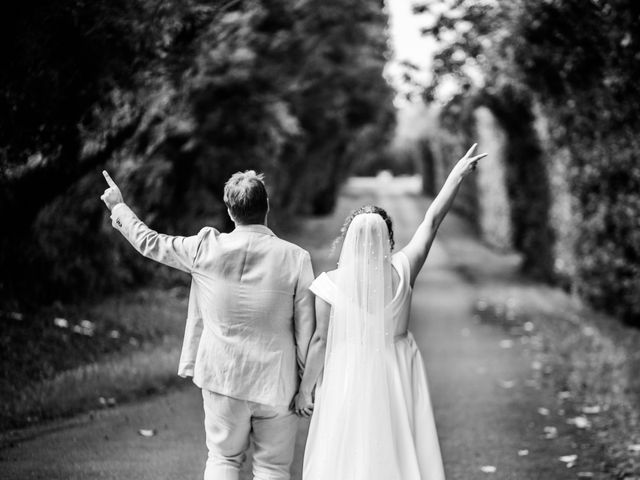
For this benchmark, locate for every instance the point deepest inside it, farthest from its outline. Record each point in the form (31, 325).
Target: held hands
(112, 195)
(302, 404)
(469, 162)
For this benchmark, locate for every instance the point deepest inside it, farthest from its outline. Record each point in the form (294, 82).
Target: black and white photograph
(320, 239)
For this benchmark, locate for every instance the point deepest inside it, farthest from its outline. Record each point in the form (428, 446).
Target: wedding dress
(372, 418)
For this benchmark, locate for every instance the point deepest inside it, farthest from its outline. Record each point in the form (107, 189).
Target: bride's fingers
(478, 157)
(470, 151)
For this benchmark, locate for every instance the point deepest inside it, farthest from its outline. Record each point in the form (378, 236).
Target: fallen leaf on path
(506, 343)
(588, 331)
(569, 460)
(79, 329)
(85, 328)
(543, 411)
(146, 433)
(61, 322)
(523, 453)
(107, 402)
(481, 305)
(564, 395)
(550, 432)
(87, 324)
(591, 410)
(507, 384)
(488, 469)
(579, 422)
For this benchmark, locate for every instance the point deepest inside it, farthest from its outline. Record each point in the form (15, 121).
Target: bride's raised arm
(418, 248)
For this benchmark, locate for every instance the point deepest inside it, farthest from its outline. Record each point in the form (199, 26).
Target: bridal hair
(245, 195)
(359, 211)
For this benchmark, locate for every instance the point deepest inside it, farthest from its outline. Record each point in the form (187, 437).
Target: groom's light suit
(249, 323)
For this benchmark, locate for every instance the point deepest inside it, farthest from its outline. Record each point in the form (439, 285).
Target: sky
(408, 44)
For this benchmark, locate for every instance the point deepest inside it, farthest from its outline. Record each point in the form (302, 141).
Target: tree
(577, 60)
(173, 97)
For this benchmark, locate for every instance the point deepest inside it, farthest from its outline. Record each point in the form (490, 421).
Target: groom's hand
(303, 405)
(112, 195)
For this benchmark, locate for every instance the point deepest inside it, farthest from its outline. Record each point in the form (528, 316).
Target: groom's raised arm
(174, 251)
(304, 314)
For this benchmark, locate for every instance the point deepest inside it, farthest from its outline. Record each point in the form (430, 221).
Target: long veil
(354, 439)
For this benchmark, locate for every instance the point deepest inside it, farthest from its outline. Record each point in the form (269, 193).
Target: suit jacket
(251, 313)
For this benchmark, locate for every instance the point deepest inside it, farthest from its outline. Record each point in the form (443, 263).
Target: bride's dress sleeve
(403, 267)
(324, 288)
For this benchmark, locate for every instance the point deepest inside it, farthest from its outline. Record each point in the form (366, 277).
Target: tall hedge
(583, 64)
(579, 61)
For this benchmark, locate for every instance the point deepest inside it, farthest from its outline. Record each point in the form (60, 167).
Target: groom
(249, 322)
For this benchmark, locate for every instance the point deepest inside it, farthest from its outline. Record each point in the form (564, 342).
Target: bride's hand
(303, 405)
(469, 162)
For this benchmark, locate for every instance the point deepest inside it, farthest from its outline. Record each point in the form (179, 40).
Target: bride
(372, 418)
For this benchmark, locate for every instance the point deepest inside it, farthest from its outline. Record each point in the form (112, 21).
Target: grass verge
(64, 359)
(590, 359)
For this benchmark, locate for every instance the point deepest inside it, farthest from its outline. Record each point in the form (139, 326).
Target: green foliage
(589, 83)
(579, 61)
(527, 183)
(447, 143)
(172, 98)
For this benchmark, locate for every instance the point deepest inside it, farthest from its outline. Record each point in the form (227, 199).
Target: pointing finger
(109, 180)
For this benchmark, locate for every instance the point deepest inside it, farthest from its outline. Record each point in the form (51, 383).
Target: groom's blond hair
(245, 195)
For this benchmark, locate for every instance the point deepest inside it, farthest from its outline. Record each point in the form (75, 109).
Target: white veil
(353, 415)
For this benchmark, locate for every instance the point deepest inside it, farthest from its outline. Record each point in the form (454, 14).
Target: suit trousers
(232, 424)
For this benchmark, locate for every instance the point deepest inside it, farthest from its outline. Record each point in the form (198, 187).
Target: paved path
(479, 421)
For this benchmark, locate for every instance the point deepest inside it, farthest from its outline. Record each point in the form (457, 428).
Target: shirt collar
(255, 228)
